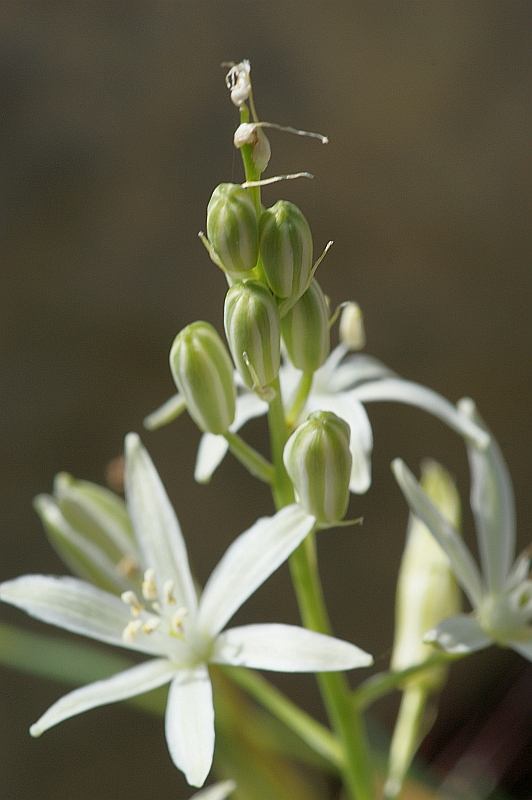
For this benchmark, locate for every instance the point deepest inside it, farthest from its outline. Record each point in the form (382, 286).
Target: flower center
(157, 611)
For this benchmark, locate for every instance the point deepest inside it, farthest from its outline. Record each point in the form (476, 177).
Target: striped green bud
(90, 529)
(318, 460)
(252, 328)
(203, 373)
(286, 249)
(232, 227)
(426, 589)
(305, 330)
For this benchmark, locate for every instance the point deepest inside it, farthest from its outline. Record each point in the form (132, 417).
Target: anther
(168, 593)
(149, 586)
(177, 620)
(151, 625)
(127, 566)
(131, 600)
(131, 630)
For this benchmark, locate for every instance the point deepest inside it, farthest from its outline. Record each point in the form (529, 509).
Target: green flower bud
(286, 249)
(89, 527)
(318, 461)
(252, 328)
(232, 227)
(426, 590)
(305, 330)
(203, 373)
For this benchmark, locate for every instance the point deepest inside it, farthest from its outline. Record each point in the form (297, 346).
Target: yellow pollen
(151, 625)
(177, 620)
(131, 600)
(149, 586)
(131, 630)
(168, 592)
(127, 566)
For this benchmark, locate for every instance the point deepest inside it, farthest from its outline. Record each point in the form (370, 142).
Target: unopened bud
(232, 227)
(352, 333)
(238, 82)
(252, 328)
(426, 590)
(286, 249)
(305, 330)
(251, 133)
(318, 460)
(203, 373)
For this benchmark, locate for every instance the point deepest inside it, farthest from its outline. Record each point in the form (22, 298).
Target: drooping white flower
(167, 620)
(343, 385)
(501, 592)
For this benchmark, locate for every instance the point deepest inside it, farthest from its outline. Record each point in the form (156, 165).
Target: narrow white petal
(211, 452)
(190, 724)
(462, 563)
(76, 606)
(398, 390)
(219, 791)
(156, 525)
(166, 413)
(287, 648)
(524, 648)
(361, 438)
(493, 504)
(325, 373)
(357, 369)
(130, 683)
(460, 634)
(248, 562)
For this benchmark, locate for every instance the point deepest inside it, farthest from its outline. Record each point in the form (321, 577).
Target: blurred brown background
(116, 127)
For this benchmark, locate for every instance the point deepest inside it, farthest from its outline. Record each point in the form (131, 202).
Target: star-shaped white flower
(170, 622)
(344, 383)
(501, 593)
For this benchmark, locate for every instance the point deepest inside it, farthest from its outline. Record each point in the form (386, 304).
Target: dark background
(116, 128)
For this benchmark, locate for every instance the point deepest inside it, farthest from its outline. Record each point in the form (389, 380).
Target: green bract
(232, 227)
(252, 328)
(203, 373)
(318, 461)
(286, 249)
(306, 330)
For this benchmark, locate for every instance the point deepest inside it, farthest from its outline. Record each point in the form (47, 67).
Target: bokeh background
(116, 126)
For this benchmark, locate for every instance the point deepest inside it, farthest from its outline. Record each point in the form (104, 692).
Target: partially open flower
(238, 82)
(318, 461)
(203, 373)
(252, 133)
(232, 227)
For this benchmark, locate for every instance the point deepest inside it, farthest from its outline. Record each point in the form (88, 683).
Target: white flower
(501, 592)
(344, 383)
(169, 622)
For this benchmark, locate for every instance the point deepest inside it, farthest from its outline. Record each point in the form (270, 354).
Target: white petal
(212, 448)
(219, 791)
(130, 683)
(248, 562)
(462, 563)
(211, 453)
(156, 525)
(361, 438)
(493, 504)
(190, 724)
(524, 648)
(287, 648)
(357, 369)
(398, 390)
(460, 634)
(76, 606)
(166, 413)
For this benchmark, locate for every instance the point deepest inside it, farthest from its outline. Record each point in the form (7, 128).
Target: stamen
(151, 625)
(131, 630)
(178, 619)
(149, 586)
(127, 566)
(168, 593)
(131, 600)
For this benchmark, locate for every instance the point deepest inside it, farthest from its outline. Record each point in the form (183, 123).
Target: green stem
(306, 727)
(302, 393)
(251, 172)
(344, 717)
(256, 464)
